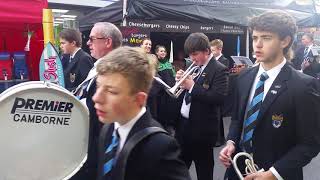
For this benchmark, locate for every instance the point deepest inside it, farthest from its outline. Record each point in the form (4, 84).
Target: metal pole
(247, 43)
(124, 13)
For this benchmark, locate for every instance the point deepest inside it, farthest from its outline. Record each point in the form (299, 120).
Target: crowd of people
(138, 131)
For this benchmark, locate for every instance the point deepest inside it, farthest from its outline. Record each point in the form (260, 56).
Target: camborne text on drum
(41, 111)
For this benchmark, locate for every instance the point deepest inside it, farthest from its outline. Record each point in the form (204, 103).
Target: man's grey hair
(110, 30)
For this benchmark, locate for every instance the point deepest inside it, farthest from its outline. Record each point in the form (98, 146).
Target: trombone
(176, 90)
(251, 167)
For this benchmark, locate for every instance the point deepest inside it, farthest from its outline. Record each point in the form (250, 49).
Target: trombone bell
(176, 90)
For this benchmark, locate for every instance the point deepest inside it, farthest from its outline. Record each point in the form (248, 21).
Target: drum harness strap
(129, 145)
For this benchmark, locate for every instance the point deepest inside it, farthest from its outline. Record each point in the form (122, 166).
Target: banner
(185, 27)
(133, 36)
(236, 12)
(50, 67)
(300, 5)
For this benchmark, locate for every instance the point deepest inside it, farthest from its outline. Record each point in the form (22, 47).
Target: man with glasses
(104, 37)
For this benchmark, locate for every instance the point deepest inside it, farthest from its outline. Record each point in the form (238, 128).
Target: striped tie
(305, 52)
(253, 112)
(110, 154)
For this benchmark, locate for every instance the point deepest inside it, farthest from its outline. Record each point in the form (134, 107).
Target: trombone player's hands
(225, 158)
(187, 83)
(226, 152)
(179, 75)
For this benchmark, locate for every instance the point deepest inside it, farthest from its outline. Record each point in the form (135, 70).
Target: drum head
(44, 132)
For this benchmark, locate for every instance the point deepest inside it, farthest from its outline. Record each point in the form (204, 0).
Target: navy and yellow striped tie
(253, 112)
(110, 154)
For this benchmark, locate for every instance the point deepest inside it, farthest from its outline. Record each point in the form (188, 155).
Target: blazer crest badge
(72, 77)
(277, 120)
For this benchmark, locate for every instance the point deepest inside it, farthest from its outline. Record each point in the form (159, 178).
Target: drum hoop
(39, 85)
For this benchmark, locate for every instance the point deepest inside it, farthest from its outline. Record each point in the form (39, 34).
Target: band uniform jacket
(225, 61)
(77, 70)
(287, 133)
(153, 158)
(208, 94)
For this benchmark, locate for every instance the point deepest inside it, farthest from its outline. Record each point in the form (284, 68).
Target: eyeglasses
(91, 39)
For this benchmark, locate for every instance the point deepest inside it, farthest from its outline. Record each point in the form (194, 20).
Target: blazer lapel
(70, 65)
(276, 89)
(140, 124)
(74, 61)
(78, 54)
(207, 70)
(246, 85)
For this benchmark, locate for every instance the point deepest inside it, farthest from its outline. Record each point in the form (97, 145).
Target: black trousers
(199, 153)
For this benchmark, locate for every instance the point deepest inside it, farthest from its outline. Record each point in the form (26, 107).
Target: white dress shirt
(75, 52)
(125, 129)
(272, 73)
(185, 108)
(218, 57)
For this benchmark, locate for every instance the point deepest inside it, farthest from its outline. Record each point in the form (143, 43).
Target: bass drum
(44, 132)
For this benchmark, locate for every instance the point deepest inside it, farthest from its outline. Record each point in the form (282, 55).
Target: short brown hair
(196, 42)
(278, 22)
(217, 43)
(71, 35)
(133, 64)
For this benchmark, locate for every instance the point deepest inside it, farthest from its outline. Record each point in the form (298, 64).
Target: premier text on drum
(41, 111)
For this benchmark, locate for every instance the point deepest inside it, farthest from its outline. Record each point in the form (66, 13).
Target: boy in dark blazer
(79, 63)
(276, 108)
(123, 82)
(216, 47)
(200, 110)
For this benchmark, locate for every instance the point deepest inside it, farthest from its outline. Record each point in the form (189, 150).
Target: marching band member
(124, 80)
(203, 95)
(79, 63)
(104, 37)
(276, 108)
